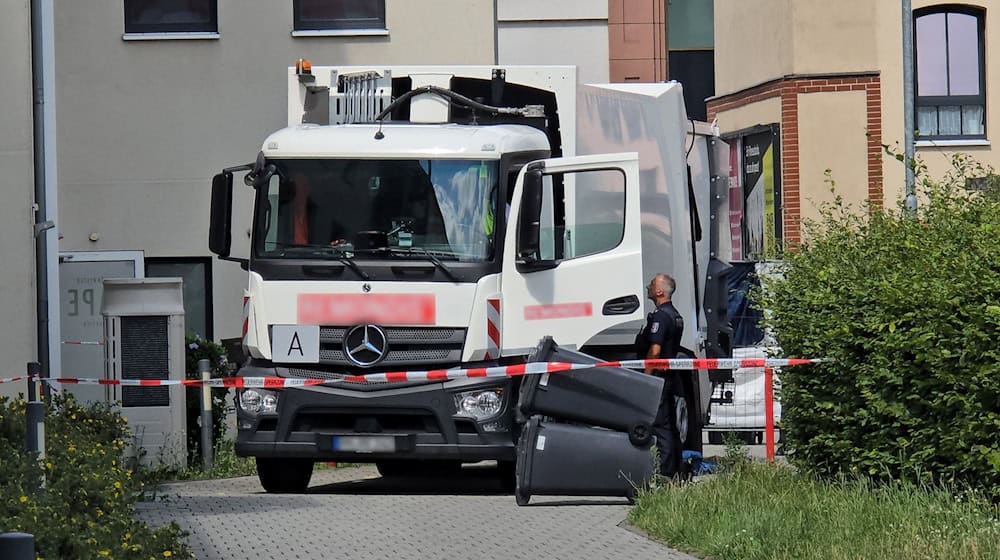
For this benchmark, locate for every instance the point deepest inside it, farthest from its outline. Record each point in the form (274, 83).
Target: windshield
(337, 208)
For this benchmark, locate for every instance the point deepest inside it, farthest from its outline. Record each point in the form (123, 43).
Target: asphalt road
(353, 513)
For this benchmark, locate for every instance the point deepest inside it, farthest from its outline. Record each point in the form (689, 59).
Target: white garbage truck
(418, 218)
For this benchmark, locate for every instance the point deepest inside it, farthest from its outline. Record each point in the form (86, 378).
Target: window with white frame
(332, 15)
(171, 16)
(950, 72)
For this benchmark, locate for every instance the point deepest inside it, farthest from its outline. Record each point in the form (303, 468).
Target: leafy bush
(202, 349)
(909, 307)
(86, 507)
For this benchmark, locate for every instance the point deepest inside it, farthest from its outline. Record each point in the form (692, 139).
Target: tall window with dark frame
(950, 77)
(171, 16)
(319, 15)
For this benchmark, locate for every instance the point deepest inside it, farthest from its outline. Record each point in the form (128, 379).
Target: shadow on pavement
(470, 481)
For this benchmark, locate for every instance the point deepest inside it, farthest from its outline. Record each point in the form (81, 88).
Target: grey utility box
(144, 339)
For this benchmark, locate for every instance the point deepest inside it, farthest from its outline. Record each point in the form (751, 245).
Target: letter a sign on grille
(298, 344)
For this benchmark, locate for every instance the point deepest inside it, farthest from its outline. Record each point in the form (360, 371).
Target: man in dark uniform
(661, 338)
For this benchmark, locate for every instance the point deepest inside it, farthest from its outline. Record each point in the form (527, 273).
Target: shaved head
(661, 288)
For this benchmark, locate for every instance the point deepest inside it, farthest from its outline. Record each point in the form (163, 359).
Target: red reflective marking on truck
(350, 309)
(558, 311)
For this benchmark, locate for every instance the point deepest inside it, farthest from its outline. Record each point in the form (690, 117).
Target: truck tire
(284, 476)
(688, 420)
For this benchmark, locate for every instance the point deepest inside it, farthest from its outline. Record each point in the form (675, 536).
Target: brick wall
(789, 89)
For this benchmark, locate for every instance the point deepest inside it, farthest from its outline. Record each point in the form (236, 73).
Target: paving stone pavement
(352, 513)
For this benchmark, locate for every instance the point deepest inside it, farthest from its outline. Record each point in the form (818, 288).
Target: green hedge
(910, 311)
(86, 508)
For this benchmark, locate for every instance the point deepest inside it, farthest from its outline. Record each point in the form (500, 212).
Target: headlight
(479, 404)
(257, 401)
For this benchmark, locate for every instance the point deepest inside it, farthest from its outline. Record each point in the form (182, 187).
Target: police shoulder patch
(655, 327)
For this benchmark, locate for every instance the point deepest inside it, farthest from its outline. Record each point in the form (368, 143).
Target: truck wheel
(688, 420)
(681, 414)
(284, 476)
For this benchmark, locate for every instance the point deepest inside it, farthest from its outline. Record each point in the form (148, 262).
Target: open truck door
(572, 263)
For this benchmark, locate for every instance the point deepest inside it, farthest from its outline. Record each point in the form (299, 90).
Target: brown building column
(637, 40)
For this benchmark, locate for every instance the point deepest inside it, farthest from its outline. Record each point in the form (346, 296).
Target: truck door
(572, 262)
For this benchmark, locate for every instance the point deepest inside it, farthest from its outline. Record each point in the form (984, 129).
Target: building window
(196, 272)
(951, 77)
(171, 16)
(315, 15)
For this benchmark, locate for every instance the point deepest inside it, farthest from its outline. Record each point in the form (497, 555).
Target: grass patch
(225, 464)
(770, 512)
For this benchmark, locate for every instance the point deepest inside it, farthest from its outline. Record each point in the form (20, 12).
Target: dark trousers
(668, 441)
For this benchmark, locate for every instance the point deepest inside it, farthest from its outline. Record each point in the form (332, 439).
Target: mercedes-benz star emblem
(365, 345)
(366, 287)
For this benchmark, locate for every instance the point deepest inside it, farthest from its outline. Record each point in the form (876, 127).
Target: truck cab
(422, 218)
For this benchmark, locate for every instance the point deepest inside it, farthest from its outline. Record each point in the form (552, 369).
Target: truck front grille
(405, 346)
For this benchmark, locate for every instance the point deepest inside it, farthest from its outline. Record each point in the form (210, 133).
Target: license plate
(364, 444)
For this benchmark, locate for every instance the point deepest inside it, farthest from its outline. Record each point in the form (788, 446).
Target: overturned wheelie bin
(589, 432)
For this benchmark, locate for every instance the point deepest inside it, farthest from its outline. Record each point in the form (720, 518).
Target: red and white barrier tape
(535, 368)
(532, 368)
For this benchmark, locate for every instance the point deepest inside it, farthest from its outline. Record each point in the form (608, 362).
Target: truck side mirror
(220, 237)
(529, 222)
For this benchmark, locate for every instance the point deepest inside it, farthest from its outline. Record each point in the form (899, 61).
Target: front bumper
(420, 419)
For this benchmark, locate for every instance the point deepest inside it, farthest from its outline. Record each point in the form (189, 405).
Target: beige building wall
(827, 141)
(753, 42)
(834, 37)
(767, 39)
(741, 118)
(812, 67)
(143, 125)
(559, 32)
(17, 279)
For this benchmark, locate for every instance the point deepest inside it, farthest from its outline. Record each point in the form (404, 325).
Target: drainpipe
(908, 109)
(46, 239)
(496, 34)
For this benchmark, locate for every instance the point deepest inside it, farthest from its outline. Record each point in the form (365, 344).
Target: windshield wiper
(430, 257)
(332, 251)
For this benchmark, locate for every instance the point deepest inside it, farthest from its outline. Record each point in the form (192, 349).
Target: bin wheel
(641, 435)
(521, 498)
